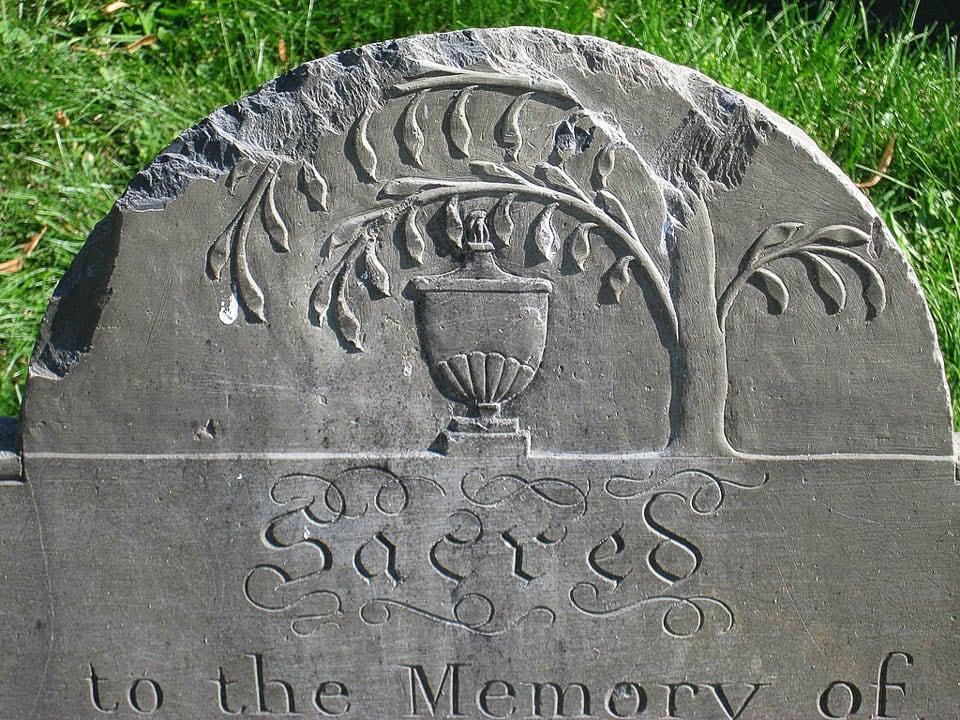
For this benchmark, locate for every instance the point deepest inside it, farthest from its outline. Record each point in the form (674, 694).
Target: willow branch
(456, 78)
(440, 189)
(792, 250)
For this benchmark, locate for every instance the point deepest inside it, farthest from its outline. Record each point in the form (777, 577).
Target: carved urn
(483, 331)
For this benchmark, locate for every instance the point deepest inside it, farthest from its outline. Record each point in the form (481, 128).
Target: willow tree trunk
(699, 359)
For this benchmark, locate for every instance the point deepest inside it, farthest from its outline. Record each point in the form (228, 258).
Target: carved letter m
(420, 687)
(559, 695)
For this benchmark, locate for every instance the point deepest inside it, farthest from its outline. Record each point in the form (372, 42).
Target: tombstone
(492, 374)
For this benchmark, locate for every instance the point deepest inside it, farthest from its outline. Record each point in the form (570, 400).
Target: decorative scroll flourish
(686, 557)
(313, 503)
(342, 544)
(491, 492)
(472, 613)
(319, 499)
(270, 589)
(716, 484)
(821, 251)
(624, 487)
(584, 597)
(706, 500)
(669, 538)
(322, 501)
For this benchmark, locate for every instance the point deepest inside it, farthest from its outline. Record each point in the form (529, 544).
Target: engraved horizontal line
(800, 457)
(819, 457)
(427, 455)
(412, 455)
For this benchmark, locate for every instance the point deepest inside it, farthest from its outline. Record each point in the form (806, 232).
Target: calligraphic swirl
(670, 622)
(491, 492)
(473, 613)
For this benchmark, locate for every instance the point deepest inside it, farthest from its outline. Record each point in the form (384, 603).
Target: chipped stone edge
(11, 461)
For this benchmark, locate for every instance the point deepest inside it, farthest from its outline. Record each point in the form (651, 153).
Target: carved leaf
(603, 166)
(874, 289)
(412, 134)
(875, 246)
(342, 235)
(496, 170)
(325, 291)
(770, 284)
(560, 180)
(404, 186)
(219, 252)
(376, 273)
(509, 128)
(250, 294)
(874, 292)
(362, 147)
(272, 222)
(347, 322)
(240, 170)
(829, 282)
(315, 184)
(503, 225)
(580, 244)
(844, 235)
(545, 234)
(619, 277)
(452, 222)
(775, 236)
(617, 211)
(320, 298)
(460, 132)
(412, 236)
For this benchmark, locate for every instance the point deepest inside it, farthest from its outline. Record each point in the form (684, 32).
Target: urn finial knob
(477, 232)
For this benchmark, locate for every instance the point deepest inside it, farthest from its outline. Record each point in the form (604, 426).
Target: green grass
(849, 86)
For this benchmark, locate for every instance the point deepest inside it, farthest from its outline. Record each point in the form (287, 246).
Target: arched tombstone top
(738, 291)
(499, 373)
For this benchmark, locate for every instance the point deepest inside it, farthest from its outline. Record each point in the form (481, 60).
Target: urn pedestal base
(476, 436)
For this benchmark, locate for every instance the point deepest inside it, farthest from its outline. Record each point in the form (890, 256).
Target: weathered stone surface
(442, 370)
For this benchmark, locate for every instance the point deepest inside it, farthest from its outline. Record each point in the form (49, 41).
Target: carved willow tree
(584, 175)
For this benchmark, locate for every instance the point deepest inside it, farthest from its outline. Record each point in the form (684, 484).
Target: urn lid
(480, 271)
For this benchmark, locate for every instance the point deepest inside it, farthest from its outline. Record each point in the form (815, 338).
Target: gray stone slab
(498, 373)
